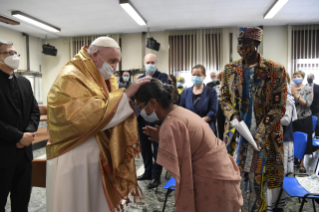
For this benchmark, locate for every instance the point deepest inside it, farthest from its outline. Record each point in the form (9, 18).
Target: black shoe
(154, 183)
(144, 177)
(302, 169)
(278, 210)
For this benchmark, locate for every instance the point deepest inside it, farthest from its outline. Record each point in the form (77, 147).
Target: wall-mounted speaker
(49, 50)
(152, 44)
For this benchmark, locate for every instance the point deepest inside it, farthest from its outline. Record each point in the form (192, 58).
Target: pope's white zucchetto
(105, 42)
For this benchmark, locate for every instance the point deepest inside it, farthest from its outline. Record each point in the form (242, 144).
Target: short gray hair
(93, 49)
(5, 43)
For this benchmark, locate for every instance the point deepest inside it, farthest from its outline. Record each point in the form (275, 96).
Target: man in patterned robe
(255, 91)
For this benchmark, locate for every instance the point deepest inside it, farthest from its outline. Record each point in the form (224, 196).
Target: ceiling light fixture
(8, 21)
(275, 8)
(129, 8)
(29, 19)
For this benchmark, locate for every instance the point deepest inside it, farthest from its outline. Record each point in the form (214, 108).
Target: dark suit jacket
(158, 75)
(206, 106)
(11, 130)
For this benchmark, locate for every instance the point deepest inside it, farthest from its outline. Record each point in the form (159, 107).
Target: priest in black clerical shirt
(19, 120)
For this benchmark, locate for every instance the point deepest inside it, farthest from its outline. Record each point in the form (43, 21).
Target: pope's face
(110, 55)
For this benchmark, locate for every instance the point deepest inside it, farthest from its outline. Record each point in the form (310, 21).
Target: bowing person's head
(106, 54)
(154, 99)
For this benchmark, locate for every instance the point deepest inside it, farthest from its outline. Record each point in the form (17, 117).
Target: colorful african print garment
(268, 90)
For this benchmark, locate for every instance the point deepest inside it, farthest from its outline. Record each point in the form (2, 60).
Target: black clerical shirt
(14, 93)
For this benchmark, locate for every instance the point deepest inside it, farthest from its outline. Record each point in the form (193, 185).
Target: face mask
(179, 84)
(214, 80)
(150, 68)
(310, 80)
(149, 118)
(126, 79)
(106, 70)
(12, 61)
(197, 80)
(297, 81)
(246, 52)
(117, 79)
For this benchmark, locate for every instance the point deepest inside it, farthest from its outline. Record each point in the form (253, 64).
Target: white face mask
(117, 79)
(149, 118)
(12, 61)
(106, 70)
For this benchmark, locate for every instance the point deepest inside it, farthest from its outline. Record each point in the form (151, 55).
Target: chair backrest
(43, 109)
(314, 122)
(300, 144)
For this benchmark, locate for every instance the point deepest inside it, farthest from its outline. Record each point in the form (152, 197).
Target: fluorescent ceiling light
(8, 21)
(34, 21)
(129, 8)
(275, 8)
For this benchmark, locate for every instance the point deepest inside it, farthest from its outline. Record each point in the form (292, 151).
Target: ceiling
(83, 17)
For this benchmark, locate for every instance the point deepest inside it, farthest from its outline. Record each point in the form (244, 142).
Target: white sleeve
(123, 111)
(286, 119)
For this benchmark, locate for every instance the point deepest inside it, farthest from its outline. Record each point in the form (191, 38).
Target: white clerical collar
(10, 77)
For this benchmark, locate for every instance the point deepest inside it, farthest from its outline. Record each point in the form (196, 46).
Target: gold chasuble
(80, 105)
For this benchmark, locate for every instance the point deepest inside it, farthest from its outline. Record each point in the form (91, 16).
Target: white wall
(132, 51)
(52, 65)
(275, 46)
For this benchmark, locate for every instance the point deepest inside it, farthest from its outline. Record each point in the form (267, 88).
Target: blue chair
(290, 184)
(315, 142)
(314, 122)
(170, 186)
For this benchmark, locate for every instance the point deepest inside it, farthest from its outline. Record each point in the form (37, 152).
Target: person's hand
(19, 145)
(237, 116)
(294, 91)
(131, 91)
(152, 132)
(258, 145)
(27, 138)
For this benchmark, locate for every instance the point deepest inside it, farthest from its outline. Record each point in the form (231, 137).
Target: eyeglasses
(11, 53)
(139, 106)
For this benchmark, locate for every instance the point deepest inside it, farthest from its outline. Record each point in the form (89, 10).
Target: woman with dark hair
(172, 81)
(207, 178)
(201, 99)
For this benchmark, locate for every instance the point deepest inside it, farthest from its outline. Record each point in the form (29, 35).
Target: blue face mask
(126, 79)
(297, 81)
(179, 84)
(117, 79)
(150, 68)
(197, 80)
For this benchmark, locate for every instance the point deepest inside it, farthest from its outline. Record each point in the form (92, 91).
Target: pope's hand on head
(131, 91)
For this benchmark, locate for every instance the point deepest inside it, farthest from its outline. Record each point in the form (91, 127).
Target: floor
(154, 201)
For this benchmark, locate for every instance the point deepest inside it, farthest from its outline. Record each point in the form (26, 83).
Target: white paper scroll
(242, 128)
